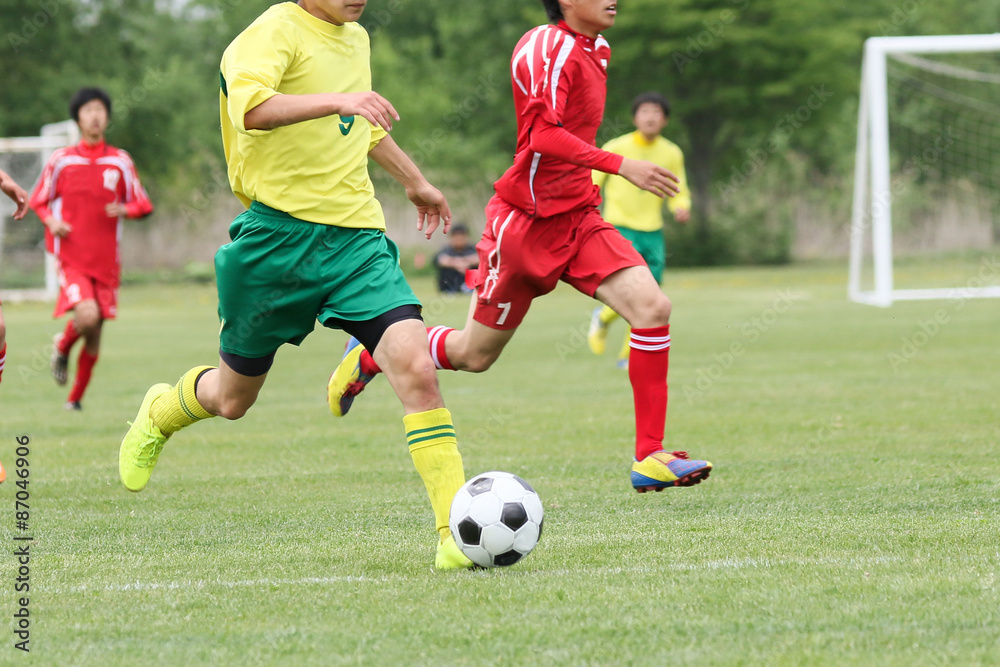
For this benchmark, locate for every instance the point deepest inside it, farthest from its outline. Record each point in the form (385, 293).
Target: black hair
(553, 10)
(459, 228)
(654, 98)
(85, 95)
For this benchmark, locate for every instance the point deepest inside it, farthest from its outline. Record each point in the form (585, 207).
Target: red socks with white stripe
(647, 371)
(3, 359)
(435, 336)
(69, 336)
(84, 368)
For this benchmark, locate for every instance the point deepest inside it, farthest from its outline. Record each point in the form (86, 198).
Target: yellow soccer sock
(623, 355)
(434, 448)
(179, 407)
(607, 315)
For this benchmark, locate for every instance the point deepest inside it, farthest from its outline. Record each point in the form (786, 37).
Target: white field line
(725, 564)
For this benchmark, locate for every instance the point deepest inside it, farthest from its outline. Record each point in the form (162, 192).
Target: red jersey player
(543, 226)
(20, 199)
(81, 197)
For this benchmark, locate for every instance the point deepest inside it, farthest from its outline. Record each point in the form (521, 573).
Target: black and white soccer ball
(496, 519)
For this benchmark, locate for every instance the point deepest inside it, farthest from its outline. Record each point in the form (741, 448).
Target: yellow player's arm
(682, 200)
(432, 207)
(281, 110)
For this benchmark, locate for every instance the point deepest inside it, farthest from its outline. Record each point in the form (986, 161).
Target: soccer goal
(927, 168)
(27, 272)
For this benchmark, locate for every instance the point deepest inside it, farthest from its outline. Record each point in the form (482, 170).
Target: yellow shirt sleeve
(258, 75)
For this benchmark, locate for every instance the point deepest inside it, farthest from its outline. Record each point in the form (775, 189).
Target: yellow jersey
(316, 170)
(627, 206)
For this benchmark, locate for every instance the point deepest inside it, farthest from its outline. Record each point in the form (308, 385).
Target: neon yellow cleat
(450, 557)
(597, 336)
(661, 470)
(347, 380)
(141, 446)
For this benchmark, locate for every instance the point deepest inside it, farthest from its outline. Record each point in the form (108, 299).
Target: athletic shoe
(663, 469)
(59, 362)
(450, 557)
(347, 380)
(73, 406)
(623, 364)
(597, 336)
(141, 446)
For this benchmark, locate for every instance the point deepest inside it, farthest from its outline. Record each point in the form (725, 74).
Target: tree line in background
(764, 92)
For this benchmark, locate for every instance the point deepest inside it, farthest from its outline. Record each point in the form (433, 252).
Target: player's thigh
(634, 294)
(267, 280)
(363, 280)
(600, 252)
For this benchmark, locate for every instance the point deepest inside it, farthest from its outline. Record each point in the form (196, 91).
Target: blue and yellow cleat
(450, 557)
(661, 470)
(597, 336)
(347, 380)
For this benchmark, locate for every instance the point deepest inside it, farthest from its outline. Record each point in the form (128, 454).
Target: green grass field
(852, 517)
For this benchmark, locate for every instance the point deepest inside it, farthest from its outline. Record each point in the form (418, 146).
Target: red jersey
(559, 79)
(75, 186)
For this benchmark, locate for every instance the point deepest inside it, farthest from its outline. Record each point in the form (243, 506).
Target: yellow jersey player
(299, 122)
(638, 214)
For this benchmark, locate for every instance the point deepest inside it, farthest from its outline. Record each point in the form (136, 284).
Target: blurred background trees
(764, 96)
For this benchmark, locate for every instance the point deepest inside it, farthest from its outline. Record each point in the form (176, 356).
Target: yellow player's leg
(623, 354)
(164, 410)
(434, 449)
(597, 336)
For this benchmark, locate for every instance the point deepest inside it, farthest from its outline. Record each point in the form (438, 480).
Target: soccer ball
(496, 519)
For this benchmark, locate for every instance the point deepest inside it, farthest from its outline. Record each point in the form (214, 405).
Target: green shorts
(281, 274)
(651, 246)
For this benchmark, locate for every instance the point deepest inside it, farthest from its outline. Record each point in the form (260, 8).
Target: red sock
(3, 358)
(84, 367)
(437, 336)
(368, 365)
(69, 336)
(647, 370)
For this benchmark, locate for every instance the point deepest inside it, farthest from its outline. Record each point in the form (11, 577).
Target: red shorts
(76, 286)
(521, 257)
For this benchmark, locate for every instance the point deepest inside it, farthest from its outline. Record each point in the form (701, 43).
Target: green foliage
(750, 81)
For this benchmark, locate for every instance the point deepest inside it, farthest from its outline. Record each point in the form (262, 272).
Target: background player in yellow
(299, 122)
(638, 214)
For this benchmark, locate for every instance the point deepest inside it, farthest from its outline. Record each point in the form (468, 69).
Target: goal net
(926, 216)
(27, 272)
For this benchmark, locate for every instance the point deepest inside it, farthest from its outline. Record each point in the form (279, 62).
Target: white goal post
(873, 186)
(51, 137)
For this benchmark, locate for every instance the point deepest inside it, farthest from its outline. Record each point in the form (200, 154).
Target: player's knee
(88, 320)
(660, 310)
(232, 408)
(478, 361)
(652, 312)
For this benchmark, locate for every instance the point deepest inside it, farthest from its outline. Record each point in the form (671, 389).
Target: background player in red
(543, 226)
(81, 197)
(20, 199)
